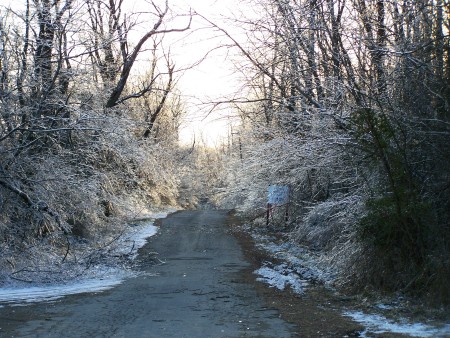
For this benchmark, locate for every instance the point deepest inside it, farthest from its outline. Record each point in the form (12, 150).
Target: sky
(213, 79)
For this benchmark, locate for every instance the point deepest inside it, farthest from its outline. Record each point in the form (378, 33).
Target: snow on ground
(23, 296)
(137, 235)
(281, 276)
(376, 324)
(136, 238)
(96, 279)
(300, 268)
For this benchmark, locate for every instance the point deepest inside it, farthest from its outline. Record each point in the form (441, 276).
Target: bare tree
(129, 57)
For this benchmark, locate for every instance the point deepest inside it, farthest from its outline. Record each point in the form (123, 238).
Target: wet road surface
(196, 292)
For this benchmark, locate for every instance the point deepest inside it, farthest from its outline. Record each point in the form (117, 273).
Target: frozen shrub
(325, 223)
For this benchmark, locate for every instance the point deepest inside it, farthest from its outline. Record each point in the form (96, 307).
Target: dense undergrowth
(377, 230)
(57, 199)
(348, 105)
(88, 140)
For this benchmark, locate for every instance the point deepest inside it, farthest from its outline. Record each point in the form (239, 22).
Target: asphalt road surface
(198, 292)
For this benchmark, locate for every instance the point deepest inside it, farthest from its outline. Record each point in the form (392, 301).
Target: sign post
(278, 195)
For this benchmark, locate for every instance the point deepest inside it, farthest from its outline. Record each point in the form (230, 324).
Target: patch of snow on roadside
(158, 215)
(19, 296)
(280, 277)
(136, 238)
(97, 279)
(301, 261)
(378, 324)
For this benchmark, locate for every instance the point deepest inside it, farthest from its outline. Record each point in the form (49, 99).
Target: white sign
(278, 194)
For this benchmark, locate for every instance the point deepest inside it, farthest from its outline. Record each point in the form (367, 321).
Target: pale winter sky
(213, 79)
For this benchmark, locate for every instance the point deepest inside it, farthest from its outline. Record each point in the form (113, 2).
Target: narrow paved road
(198, 292)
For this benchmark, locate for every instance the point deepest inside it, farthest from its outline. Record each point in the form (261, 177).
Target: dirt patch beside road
(317, 313)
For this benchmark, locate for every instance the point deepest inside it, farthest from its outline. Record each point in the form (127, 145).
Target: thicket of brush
(348, 104)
